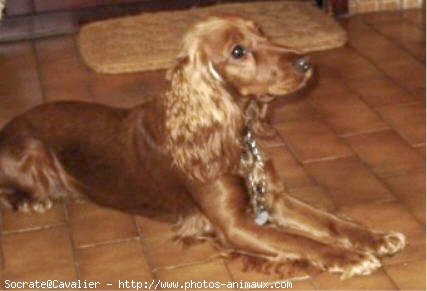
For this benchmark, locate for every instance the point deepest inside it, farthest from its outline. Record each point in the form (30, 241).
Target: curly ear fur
(201, 105)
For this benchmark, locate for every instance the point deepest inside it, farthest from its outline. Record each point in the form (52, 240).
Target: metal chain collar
(255, 177)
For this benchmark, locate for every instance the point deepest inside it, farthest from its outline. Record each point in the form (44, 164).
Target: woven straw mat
(150, 41)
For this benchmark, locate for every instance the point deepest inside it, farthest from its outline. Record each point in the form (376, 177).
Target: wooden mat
(150, 41)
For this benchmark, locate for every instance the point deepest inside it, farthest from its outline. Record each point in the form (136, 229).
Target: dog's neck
(203, 125)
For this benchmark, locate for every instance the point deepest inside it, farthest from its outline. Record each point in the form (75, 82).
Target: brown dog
(189, 154)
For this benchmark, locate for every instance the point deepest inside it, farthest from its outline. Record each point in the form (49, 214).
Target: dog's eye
(238, 52)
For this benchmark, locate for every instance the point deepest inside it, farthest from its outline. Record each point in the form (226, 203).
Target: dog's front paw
(351, 263)
(24, 202)
(390, 243)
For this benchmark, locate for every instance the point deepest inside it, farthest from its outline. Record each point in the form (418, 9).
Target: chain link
(255, 177)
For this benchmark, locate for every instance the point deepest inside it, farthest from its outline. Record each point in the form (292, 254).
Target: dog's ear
(178, 63)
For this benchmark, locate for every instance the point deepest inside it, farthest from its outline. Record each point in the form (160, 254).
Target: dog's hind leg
(31, 176)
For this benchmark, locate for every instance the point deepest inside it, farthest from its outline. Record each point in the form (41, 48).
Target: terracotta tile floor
(353, 144)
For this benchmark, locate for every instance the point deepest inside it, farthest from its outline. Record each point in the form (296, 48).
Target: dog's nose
(302, 64)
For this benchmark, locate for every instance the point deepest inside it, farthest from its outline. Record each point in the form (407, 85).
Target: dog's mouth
(277, 93)
(267, 98)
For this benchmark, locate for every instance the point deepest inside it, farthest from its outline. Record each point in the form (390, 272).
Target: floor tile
(419, 94)
(347, 114)
(327, 86)
(421, 149)
(386, 153)
(379, 91)
(110, 263)
(411, 190)
(38, 255)
(51, 24)
(377, 48)
(208, 276)
(407, 72)
(269, 141)
(415, 17)
(73, 88)
(351, 64)
(382, 17)
(376, 281)
(408, 276)
(18, 221)
(292, 110)
(153, 228)
(356, 67)
(417, 50)
(92, 224)
(391, 216)
(298, 277)
(19, 83)
(407, 119)
(56, 49)
(13, 29)
(315, 196)
(348, 181)
(164, 251)
(312, 140)
(356, 28)
(62, 74)
(240, 273)
(401, 31)
(292, 173)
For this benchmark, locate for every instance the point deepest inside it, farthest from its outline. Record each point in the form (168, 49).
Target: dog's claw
(24, 207)
(42, 206)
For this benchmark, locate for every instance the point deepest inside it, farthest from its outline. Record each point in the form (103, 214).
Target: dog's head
(234, 52)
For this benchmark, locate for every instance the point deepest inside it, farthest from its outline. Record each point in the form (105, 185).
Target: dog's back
(96, 150)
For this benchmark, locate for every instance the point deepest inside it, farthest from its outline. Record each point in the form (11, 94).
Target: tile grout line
(370, 170)
(108, 242)
(377, 113)
(70, 237)
(86, 69)
(36, 61)
(398, 44)
(144, 249)
(380, 180)
(301, 164)
(352, 149)
(38, 71)
(365, 132)
(36, 228)
(292, 152)
(372, 62)
(376, 108)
